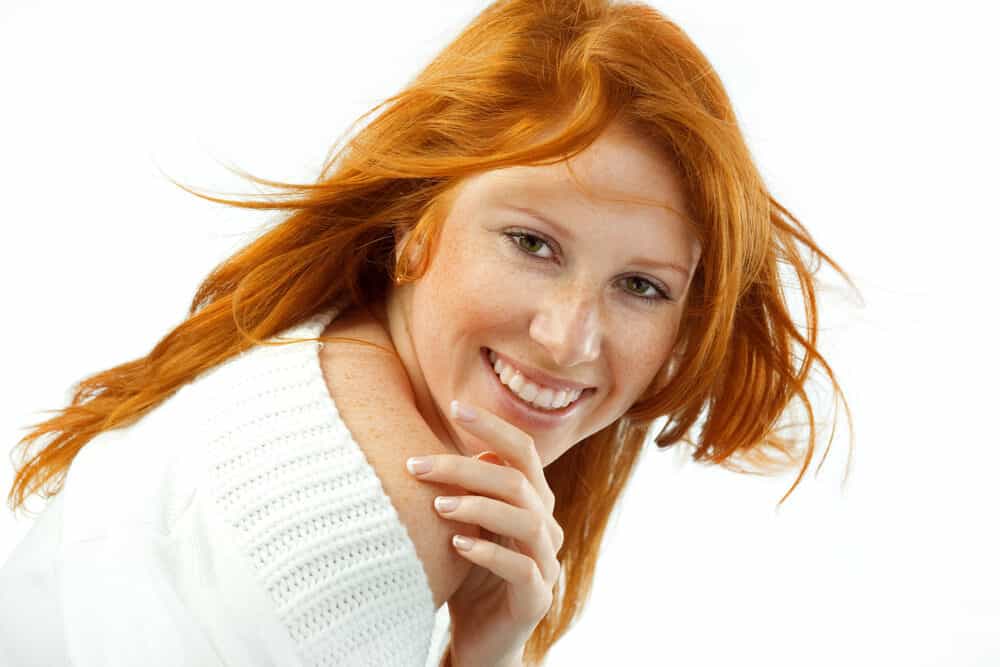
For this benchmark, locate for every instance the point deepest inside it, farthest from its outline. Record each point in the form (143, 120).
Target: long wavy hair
(740, 363)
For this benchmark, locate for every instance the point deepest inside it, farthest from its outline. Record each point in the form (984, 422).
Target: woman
(559, 208)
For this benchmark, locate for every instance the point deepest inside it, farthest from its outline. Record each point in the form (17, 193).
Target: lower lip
(521, 411)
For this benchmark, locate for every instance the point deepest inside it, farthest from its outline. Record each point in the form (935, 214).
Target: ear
(400, 241)
(415, 248)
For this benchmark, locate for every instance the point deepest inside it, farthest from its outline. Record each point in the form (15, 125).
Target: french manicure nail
(418, 465)
(445, 503)
(462, 542)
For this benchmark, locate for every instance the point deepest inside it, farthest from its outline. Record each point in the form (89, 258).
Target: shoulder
(372, 393)
(352, 357)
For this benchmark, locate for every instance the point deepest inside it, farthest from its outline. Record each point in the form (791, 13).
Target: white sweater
(238, 523)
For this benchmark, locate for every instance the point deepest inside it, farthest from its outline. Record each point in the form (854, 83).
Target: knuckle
(524, 490)
(538, 530)
(557, 569)
(545, 598)
(513, 479)
(528, 572)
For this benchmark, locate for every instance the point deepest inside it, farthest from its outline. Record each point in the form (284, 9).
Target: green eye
(536, 242)
(658, 293)
(519, 237)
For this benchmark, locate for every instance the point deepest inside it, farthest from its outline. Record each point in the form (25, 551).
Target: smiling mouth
(538, 410)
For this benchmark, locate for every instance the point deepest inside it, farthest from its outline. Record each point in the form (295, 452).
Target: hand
(498, 606)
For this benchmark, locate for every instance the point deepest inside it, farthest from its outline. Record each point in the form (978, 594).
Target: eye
(517, 237)
(534, 242)
(656, 292)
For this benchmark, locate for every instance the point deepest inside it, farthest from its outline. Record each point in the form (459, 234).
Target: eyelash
(515, 237)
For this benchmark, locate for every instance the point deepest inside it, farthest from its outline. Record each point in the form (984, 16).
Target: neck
(394, 317)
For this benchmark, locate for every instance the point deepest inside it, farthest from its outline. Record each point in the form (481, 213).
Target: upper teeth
(539, 396)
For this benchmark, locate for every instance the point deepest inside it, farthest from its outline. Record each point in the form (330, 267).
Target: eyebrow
(642, 261)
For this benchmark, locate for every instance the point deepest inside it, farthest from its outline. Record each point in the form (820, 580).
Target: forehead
(619, 165)
(618, 184)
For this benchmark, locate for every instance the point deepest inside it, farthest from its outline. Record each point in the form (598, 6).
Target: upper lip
(538, 377)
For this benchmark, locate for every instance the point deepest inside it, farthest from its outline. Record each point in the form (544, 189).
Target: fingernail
(445, 503)
(489, 457)
(462, 542)
(418, 465)
(462, 412)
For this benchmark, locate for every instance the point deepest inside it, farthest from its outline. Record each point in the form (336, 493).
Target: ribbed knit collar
(312, 517)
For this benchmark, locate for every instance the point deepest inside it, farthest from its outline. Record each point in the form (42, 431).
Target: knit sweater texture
(236, 523)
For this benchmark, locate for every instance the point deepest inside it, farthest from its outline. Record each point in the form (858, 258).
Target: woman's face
(589, 291)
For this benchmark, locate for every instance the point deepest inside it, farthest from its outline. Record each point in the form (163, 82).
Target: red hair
(740, 362)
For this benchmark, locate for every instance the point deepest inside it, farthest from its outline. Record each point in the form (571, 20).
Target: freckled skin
(573, 313)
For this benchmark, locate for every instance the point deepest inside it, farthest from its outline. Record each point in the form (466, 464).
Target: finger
(527, 528)
(556, 534)
(511, 443)
(531, 595)
(499, 482)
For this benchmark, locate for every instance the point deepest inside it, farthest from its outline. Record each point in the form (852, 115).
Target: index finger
(510, 442)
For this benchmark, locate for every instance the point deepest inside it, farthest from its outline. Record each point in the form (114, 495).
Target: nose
(569, 326)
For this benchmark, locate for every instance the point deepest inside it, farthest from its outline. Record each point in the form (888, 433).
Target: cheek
(460, 297)
(646, 366)
(461, 266)
(481, 286)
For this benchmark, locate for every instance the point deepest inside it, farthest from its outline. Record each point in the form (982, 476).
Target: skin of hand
(498, 606)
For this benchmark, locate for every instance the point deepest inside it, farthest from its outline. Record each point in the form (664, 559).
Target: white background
(875, 123)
